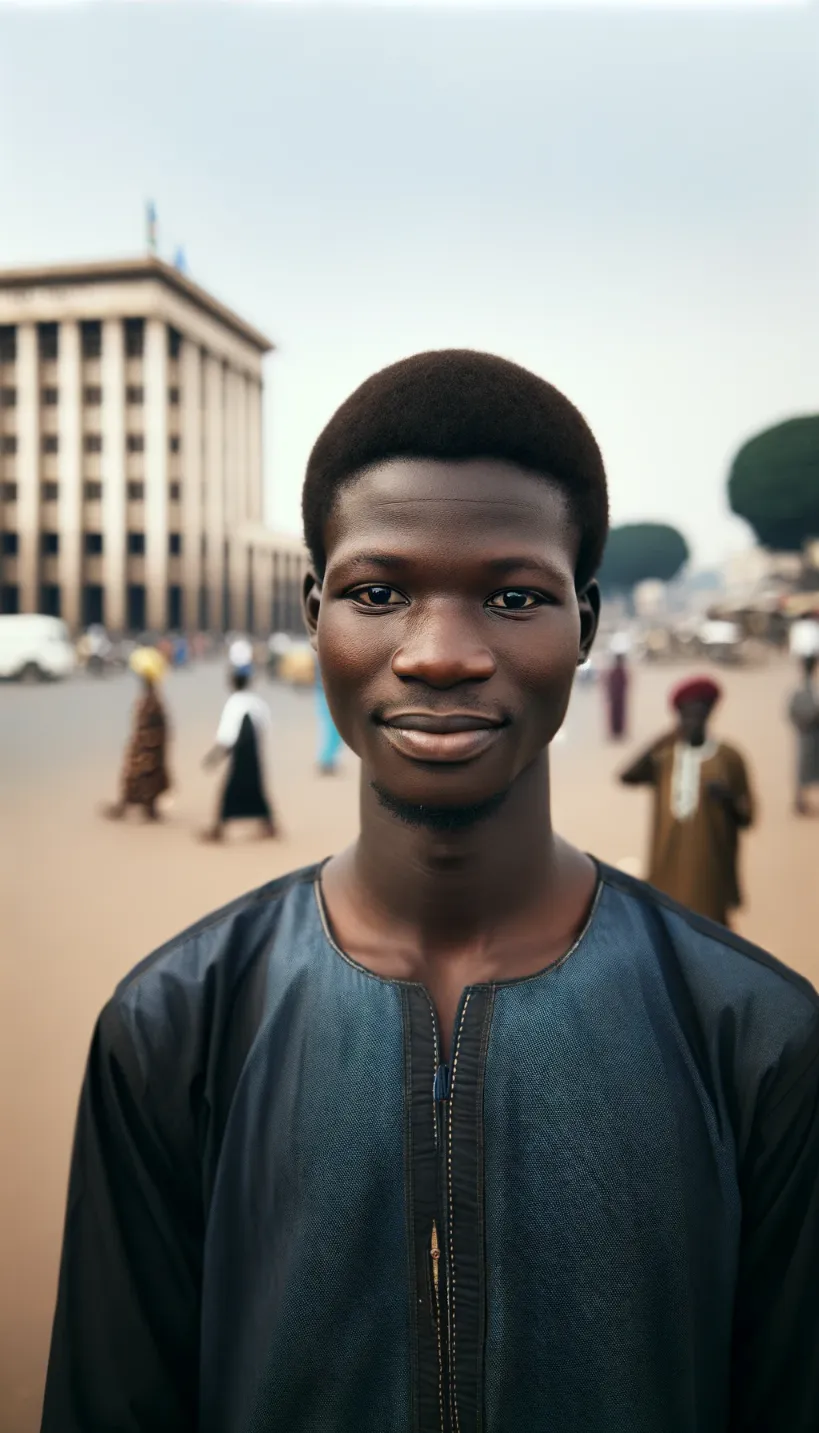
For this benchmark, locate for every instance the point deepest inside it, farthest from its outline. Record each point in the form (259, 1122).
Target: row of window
(92, 543)
(91, 396)
(93, 603)
(197, 607)
(92, 443)
(48, 340)
(92, 492)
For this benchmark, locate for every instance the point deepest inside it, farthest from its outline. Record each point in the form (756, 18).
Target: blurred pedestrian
(617, 681)
(244, 724)
(702, 800)
(330, 743)
(145, 772)
(240, 655)
(95, 649)
(278, 644)
(804, 716)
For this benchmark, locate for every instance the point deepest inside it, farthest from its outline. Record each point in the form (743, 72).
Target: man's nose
(444, 650)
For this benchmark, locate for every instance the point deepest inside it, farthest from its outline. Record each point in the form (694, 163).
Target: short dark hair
(453, 405)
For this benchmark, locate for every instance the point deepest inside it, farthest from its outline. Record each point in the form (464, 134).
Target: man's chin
(428, 817)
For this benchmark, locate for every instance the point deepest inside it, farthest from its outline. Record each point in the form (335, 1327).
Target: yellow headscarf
(149, 664)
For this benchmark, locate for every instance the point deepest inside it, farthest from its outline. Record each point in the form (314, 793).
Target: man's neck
(500, 900)
(446, 888)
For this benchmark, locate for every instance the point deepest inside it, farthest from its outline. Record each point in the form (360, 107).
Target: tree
(774, 484)
(638, 552)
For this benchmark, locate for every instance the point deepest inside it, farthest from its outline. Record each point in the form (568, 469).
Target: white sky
(628, 202)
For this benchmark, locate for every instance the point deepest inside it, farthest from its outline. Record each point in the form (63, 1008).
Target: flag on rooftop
(150, 223)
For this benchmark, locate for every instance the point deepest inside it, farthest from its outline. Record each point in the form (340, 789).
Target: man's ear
(311, 605)
(589, 603)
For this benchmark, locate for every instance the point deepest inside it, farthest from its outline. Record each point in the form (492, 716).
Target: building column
(246, 514)
(240, 582)
(255, 475)
(215, 483)
(192, 567)
(114, 485)
(235, 511)
(232, 480)
(69, 418)
(28, 467)
(156, 473)
(262, 588)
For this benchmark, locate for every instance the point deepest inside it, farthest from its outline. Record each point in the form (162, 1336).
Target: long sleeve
(124, 1351)
(776, 1331)
(643, 771)
(738, 782)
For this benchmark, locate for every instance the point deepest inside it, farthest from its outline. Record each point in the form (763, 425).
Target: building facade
(131, 484)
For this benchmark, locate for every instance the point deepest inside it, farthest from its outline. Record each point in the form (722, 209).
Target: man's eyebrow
(376, 559)
(512, 564)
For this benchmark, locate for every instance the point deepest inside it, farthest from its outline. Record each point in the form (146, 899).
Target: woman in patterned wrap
(145, 772)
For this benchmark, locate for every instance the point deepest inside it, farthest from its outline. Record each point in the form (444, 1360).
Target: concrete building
(131, 488)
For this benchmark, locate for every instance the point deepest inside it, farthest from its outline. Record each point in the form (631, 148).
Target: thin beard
(442, 819)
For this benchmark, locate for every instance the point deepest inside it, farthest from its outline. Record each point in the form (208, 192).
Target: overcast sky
(626, 201)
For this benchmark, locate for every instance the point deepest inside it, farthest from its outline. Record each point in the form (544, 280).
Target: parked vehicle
(34, 648)
(721, 640)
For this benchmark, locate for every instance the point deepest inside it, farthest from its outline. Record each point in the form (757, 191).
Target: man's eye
(512, 599)
(377, 596)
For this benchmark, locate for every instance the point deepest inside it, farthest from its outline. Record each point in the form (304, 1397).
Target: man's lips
(441, 737)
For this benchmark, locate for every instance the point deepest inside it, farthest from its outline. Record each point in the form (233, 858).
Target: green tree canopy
(639, 552)
(774, 484)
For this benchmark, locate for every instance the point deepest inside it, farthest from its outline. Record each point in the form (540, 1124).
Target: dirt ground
(82, 901)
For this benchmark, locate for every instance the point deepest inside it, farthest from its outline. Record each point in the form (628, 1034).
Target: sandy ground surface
(82, 901)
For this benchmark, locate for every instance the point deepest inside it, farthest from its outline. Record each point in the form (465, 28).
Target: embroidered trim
(686, 778)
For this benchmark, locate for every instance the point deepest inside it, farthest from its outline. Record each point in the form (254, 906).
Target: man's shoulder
(716, 969)
(730, 754)
(218, 949)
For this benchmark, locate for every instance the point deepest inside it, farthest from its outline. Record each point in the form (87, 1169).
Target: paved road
(82, 901)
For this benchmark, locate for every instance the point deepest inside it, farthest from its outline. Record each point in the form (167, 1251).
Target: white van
(34, 648)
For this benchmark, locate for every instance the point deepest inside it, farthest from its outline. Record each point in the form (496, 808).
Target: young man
(459, 1131)
(702, 800)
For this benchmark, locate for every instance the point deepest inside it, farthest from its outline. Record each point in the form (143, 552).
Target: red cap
(696, 689)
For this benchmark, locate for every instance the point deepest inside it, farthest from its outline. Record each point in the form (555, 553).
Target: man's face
(448, 627)
(693, 721)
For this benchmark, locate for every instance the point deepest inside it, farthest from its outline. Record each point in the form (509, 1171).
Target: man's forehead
(411, 488)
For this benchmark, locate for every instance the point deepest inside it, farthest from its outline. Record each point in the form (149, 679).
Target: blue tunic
(291, 1212)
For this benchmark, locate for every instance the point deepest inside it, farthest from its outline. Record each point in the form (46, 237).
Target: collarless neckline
(546, 970)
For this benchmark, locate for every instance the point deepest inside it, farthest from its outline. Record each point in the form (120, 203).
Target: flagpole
(150, 226)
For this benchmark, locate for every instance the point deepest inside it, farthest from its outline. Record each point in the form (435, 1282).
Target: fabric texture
(244, 797)
(695, 689)
(686, 777)
(626, 1151)
(145, 772)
